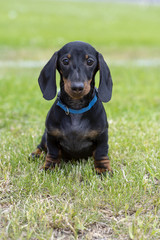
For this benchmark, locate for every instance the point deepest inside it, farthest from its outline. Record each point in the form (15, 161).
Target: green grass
(73, 202)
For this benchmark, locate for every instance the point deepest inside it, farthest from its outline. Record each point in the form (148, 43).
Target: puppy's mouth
(76, 95)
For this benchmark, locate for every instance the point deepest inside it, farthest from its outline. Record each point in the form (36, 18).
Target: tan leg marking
(50, 163)
(102, 165)
(36, 153)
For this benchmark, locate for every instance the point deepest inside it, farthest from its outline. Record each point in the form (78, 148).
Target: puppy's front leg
(101, 159)
(53, 153)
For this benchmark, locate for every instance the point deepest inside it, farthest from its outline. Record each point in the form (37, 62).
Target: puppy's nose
(77, 87)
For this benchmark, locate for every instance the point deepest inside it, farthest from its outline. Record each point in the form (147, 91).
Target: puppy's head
(77, 63)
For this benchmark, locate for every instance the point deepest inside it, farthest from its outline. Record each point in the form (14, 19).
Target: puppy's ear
(47, 78)
(105, 85)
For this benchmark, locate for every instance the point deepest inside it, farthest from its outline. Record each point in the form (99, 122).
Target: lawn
(73, 202)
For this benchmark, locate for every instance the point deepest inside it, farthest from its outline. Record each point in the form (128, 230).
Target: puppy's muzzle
(77, 87)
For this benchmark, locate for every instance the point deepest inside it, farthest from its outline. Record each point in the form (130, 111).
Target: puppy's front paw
(103, 165)
(36, 154)
(50, 163)
(103, 171)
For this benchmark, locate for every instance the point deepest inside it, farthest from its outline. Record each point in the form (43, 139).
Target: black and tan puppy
(76, 125)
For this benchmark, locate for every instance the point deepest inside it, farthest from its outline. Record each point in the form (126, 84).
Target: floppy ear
(105, 85)
(47, 78)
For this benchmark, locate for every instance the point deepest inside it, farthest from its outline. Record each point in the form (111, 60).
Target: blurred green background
(119, 30)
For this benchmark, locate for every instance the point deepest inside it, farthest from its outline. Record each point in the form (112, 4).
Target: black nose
(77, 87)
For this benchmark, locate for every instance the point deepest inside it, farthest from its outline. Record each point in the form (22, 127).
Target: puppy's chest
(76, 133)
(78, 128)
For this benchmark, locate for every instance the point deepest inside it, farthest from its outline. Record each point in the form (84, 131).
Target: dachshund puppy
(76, 125)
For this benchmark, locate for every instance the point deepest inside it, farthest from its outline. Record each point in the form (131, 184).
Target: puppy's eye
(65, 61)
(90, 61)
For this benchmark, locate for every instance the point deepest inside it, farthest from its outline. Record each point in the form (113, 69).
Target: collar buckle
(67, 110)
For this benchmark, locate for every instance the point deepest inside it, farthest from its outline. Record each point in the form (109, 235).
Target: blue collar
(73, 111)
